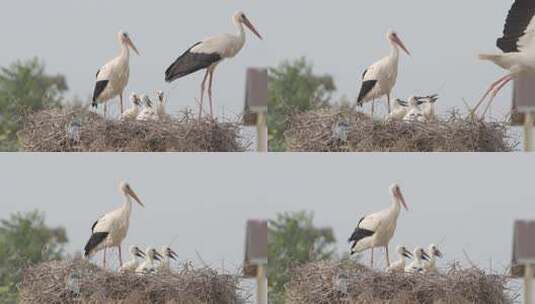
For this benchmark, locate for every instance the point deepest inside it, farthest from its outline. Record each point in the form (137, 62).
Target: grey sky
(341, 37)
(464, 201)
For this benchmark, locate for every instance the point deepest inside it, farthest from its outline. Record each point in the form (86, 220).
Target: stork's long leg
(120, 256)
(121, 100)
(203, 86)
(104, 261)
(210, 82)
(371, 263)
(387, 256)
(373, 107)
(495, 92)
(105, 110)
(491, 88)
(388, 102)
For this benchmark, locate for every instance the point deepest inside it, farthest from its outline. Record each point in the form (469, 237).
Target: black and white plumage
(518, 46)
(167, 254)
(433, 252)
(137, 256)
(377, 229)
(148, 266)
(111, 229)
(208, 53)
(400, 265)
(112, 78)
(419, 259)
(379, 79)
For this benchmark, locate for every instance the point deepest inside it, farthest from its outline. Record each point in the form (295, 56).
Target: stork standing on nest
(518, 46)
(113, 77)
(380, 78)
(208, 54)
(111, 229)
(376, 230)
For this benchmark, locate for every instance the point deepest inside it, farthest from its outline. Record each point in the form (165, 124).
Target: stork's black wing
(190, 62)
(94, 241)
(517, 22)
(100, 86)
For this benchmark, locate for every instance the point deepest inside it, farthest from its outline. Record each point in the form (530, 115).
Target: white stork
(208, 54)
(112, 78)
(399, 266)
(160, 107)
(433, 252)
(148, 266)
(133, 112)
(148, 112)
(380, 78)
(132, 265)
(399, 110)
(111, 229)
(417, 264)
(414, 112)
(376, 230)
(518, 46)
(168, 254)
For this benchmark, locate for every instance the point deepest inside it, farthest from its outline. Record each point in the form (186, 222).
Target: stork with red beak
(376, 230)
(380, 78)
(208, 54)
(113, 77)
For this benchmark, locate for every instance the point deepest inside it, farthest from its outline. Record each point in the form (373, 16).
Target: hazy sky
(464, 202)
(342, 38)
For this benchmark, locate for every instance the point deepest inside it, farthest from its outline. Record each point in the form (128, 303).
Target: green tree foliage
(25, 239)
(294, 241)
(294, 88)
(24, 88)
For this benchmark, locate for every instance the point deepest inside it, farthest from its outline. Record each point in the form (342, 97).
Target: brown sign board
(523, 98)
(256, 95)
(523, 247)
(256, 246)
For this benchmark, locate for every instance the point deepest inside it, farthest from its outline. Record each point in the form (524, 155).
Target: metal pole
(528, 132)
(261, 285)
(528, 285)
(261, 133)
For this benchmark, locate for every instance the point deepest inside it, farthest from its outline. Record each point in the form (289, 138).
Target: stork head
(241, 18)
(154, 254)
(135, 251)
(398, 196)
(127, 190)
(403, 251)
(421, 254)
(134, 98)
(433, 249)
(125, 39)
(393, 37)
(161, 96)
(168, 252)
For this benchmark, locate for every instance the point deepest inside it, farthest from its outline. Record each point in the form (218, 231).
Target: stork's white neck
(125, 50)
(396, 204)
(241, 31)
(394, 53)
(127, 206)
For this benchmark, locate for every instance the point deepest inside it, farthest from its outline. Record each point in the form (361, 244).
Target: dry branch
(316, 131)
(51, 131)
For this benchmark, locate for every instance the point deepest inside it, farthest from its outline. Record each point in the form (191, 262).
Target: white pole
(261, 133)
(261, 285)
(528, 285)
(528, 132)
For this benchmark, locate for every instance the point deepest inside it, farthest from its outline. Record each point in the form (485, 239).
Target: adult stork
(208, 53)
(380, 78)
(112, 78)
(518, 46)
(376, 230)
(111, 229)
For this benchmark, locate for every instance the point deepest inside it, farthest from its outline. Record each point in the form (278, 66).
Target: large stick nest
(82, 282)
(342, 131)
(350, 283)
(85, 131)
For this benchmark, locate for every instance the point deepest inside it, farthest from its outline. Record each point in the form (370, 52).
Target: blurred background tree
(294, 241)
(25, 87)
(294, 88)
(25, 239)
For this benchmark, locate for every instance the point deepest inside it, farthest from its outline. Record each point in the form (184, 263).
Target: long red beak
(401, 45)
(131, 44)
(252, 28)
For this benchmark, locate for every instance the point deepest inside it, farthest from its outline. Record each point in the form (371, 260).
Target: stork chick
(131, 266)
(399, 266)
(417, 264)
(160, 108)
(433, 252)
(399, 110)
(148, 112)
(148, 266)
(168, 255)
(133, 112)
